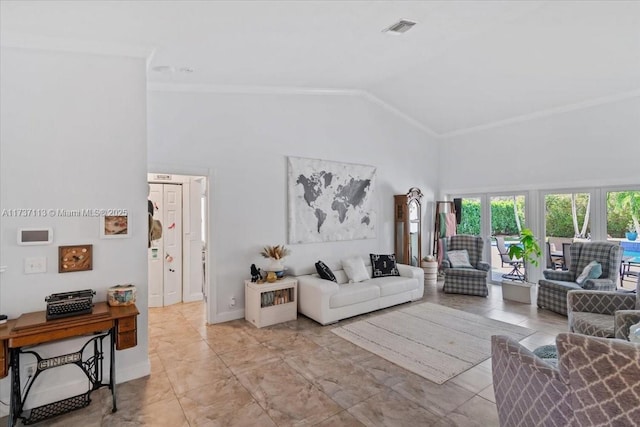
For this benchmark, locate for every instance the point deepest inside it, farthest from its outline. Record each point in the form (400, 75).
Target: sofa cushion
(354, 293)
(559, 285)
(383, 265)
(355, 269)
(594, 324)
(394, 285)
(325, 272)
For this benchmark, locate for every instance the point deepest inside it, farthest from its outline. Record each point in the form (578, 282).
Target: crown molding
(544, 113)
(407, 118)
(30, 41)
(247, 89)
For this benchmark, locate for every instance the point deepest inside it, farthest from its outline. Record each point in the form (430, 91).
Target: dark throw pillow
(383, 265)
(325, 272)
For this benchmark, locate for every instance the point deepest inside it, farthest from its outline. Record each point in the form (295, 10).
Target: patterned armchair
(553, 289)
(603, 314)
(595, 383)
(468, 281)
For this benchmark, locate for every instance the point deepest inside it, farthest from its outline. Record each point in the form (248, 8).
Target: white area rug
(431, 340)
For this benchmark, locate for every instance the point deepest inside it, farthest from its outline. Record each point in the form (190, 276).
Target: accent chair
(595, 383)
(553, 289)
(603, 314)
(467, 281)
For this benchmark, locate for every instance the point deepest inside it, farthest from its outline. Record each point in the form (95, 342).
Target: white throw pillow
(593, 270)
(459, 259)
(355, 269)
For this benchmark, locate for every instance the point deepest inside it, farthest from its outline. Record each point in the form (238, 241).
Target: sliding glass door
(507, 213)
(623, 226)
(471, 220)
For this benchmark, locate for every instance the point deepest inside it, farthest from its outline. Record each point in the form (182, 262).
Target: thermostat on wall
(35, 236)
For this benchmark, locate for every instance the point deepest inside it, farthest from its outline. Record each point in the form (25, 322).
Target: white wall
(596, 146)
(243, 141)
(73, 136)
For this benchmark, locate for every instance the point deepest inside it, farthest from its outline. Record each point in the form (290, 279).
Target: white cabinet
(270, 303)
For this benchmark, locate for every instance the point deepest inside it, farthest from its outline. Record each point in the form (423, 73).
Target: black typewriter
(66, 304)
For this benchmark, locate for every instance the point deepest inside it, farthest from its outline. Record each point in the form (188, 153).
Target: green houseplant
(528, 250)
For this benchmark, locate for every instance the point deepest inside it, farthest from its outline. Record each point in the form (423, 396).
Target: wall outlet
(232, 302)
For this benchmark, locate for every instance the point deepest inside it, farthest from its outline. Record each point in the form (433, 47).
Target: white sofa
(327, 302)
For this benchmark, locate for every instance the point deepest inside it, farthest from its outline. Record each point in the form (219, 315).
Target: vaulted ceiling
(465, 65)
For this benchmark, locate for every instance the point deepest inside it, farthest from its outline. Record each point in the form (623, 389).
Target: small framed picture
(75, 258)
(115, 226)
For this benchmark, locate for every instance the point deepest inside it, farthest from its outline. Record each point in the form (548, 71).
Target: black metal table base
(92, 367)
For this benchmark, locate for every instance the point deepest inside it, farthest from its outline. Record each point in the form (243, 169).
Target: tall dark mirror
(408, 227)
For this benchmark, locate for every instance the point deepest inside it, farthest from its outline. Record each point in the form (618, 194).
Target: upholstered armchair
(553, 289)
(603, 314)
(471, 280)
(595, 383)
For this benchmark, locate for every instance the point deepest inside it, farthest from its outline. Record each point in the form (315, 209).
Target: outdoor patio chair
(552, 262)
(595, 383)
(515, 264)
(553, 289)
(603, 314)
(566, 255)
(471, 280)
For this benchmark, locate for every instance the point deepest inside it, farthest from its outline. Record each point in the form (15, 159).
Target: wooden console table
(30, 329)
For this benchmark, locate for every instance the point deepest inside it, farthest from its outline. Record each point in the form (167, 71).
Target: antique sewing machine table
(31, 329)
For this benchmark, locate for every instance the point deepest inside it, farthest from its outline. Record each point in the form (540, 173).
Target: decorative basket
(121, 295)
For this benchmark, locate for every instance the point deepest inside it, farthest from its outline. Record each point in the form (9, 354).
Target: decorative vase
(631, 235)
(276, 265)
(271, 276)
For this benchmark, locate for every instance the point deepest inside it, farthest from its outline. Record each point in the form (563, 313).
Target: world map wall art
(330, 201)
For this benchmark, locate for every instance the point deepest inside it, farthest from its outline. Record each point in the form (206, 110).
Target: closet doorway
(176, 256)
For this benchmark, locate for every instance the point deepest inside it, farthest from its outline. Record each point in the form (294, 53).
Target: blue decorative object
(546, 352)
(549, 353)
(631, 235)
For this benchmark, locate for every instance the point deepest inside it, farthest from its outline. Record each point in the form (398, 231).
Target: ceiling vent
(400, 27)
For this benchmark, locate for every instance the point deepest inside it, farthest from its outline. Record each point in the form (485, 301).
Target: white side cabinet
(270, 303)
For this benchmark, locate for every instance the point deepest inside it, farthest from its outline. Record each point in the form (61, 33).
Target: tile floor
(298, 373)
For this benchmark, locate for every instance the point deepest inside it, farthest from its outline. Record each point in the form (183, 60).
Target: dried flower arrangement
(275, 252)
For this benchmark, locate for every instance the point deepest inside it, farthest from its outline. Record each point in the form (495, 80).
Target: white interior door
(172, 237)
(193, 244)
(156, 251)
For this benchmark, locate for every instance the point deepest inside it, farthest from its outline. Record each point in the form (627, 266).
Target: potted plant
(529, 252)
(276, 254)
(631, 234)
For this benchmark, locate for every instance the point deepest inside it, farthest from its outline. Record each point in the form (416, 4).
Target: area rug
(431, 340)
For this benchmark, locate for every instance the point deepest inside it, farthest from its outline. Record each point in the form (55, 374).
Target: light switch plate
(35, 265)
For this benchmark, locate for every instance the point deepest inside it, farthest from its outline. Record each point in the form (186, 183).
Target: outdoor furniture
(467, 281)
(515, 264)
(566, 255)
(553, 289)
(553, 261)
(530, 391)
(604, 314)
(625, 267)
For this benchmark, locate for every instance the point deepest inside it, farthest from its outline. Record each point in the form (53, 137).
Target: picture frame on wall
(75, 258)
(115, 226)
